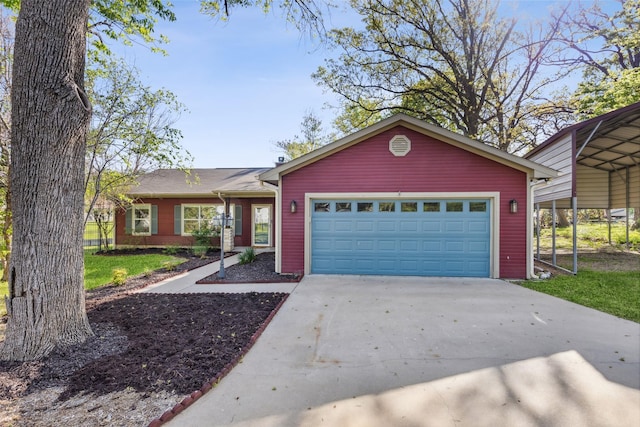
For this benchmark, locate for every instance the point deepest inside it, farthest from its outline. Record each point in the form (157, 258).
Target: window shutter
(128, 220)
(154, 219)
(177, 219)
(237, 220)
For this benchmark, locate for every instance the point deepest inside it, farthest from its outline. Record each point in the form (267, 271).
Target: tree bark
(50, 119)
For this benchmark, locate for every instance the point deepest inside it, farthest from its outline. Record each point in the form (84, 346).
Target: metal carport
(599, 165)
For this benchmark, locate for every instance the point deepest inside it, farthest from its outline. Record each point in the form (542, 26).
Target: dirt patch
(605, 259)
(262, 270)
(149, 352)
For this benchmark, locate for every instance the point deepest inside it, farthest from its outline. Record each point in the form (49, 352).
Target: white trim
(494, 196)
(140, 206)
(278, 222)
(253, 224)
(444, 135)
(191, 205)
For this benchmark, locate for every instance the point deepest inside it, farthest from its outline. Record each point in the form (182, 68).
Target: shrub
(119, 276)
(200, 251)
(202, 237)
(171, 250)
(248, 256)
(170, 265)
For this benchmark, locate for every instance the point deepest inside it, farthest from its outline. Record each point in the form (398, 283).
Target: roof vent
(399, 145)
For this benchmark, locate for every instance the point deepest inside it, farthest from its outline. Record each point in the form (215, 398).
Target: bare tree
(456, 63)
(312, 138)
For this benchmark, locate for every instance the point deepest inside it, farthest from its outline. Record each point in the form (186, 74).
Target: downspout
(278, 234)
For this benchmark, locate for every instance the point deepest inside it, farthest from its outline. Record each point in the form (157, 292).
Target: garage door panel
(387, 245)
(478, 226)
(454, 246)
(364, 225)
(478, 246)
(431, 245)
(409, 245)
(432, 226)
(387, 226)
(343, 245)
(343, 226)
(423, 240)
(453, 226)
(408, 226)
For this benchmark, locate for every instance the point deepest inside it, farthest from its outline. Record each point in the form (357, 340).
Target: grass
(98, 269)
(613, 292)
(590, 236)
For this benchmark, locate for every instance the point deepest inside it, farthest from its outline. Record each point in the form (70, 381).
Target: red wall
(430, 166)
(166, 235)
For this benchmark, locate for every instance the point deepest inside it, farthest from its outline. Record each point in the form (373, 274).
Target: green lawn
(612, 292)
(590, 236)
(98, 269)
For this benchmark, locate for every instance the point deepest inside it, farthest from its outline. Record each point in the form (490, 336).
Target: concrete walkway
(387, 351)
(186, 282)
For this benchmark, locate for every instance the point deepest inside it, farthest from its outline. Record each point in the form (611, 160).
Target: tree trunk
(562, 219)
(50, 118)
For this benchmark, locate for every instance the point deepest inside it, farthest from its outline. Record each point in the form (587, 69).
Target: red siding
(431, 166)
(166, 235)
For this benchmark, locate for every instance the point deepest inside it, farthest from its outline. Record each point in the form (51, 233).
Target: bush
(248, 256)
(119, 276)
(170, 265)
(171, 250)
(202, 237)
(200, 251)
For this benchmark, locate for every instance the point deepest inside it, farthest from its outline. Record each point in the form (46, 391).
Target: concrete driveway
(369, 351)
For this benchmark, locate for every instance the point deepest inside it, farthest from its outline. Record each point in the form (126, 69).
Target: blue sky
(246, 82)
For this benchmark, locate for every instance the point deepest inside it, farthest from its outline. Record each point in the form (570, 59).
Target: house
(401, 197)
(170, 204)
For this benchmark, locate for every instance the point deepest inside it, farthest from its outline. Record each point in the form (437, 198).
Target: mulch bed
(262, 270)
(149, 342)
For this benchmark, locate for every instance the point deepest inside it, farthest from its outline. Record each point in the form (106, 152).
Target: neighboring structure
(599, 165)
(401, 197)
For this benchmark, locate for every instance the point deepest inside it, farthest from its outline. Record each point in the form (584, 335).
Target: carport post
(574, 207)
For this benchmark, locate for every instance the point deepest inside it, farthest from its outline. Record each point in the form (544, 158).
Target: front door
(261, 232)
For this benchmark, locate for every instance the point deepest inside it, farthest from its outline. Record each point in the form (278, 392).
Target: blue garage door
(401, 237)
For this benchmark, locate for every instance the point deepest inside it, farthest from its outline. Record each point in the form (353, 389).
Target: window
(343, 206)
(386, 207)
(454, 206)
(194, 217)
(409, 207)
(141, 220)
(431, 207)
(365, 207)
(321, 206)
(477, 206)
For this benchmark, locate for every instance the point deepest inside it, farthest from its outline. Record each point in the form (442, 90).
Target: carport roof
(537, 171)
(608, 142)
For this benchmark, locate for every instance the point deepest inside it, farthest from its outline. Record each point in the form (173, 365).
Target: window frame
(200, 219)
(140, 207)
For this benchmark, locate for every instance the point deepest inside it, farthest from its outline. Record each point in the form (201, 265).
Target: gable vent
(399, 145)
